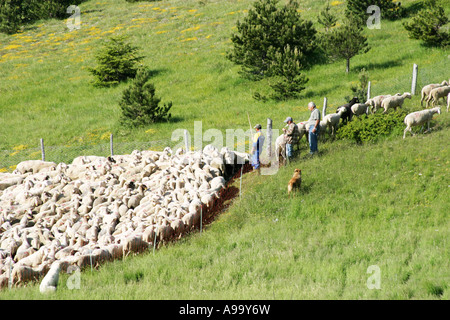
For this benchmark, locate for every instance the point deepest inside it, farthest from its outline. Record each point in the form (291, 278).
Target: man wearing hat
(258, 142)
(313, 127)
(291, 134)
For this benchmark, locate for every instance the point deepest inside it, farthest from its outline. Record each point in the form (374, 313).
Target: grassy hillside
(384, 204)
(45, 90)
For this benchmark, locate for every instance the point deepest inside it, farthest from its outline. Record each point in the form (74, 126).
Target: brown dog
(295, 181)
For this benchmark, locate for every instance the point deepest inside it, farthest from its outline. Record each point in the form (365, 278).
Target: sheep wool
(50, 281)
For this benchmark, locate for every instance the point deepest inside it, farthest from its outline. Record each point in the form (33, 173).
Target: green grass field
(383, 204)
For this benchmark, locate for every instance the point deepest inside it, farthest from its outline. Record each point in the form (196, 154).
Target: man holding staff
(258, 142)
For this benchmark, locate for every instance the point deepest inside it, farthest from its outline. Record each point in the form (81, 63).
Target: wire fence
(66, 153)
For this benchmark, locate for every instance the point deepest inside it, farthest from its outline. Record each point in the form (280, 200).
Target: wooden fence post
(324, 110)
(414, 79)
(42, 150)
(369, 87)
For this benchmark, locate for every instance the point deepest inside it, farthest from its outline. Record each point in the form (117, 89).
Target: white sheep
(437, 93)
(419, 118)
(331, 121)
(427, 89)
(50, 281)
(34, 166)
(375, 102)
(359, 109)
(395, 101)
(82, 212)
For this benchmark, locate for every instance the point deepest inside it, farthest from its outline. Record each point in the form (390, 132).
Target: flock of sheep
(53, 216)
(430, 93)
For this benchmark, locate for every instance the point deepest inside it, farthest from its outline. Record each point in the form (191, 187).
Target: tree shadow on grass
(414, 8)
(379, 65)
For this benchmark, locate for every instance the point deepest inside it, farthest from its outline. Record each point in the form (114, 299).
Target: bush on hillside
(360, 90)
(139, 104)
(427, 25)
(117, 61)
(370, 128)
(15, 13)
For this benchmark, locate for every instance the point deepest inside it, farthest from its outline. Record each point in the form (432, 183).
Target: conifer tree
(139, 104)
(117, 61)
(345, 42)
(427, 25)
(268, 29)
(289, 81)
(326, 19)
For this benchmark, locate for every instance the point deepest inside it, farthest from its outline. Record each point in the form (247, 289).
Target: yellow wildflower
(336, 3)
(12, 46)
(20, 147)
(189, 39)
(105, 136)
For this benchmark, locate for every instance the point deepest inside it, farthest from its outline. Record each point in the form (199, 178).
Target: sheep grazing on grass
(395, 102)
(419, 118)
(427, 89)
(436, 94)
(347, 116)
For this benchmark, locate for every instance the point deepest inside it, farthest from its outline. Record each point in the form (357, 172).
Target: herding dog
(295, 181)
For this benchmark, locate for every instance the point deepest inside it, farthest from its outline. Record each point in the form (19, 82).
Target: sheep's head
(354, 100)
(407, 95)
(444, 83)
(341, 110)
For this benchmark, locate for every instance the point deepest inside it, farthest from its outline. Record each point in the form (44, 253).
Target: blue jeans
(255, 160)
(313, 139)
(289, 150)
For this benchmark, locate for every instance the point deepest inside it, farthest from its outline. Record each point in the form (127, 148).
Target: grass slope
(384, 205)
(45, 90)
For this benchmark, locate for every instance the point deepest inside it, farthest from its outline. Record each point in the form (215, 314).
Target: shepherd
(258, 143)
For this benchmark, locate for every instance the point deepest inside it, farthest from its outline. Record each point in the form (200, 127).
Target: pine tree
(10, 16)
(268, 28)
(15, 13)
(326, 19)
(345, 42)
(117, 61)
(289, 81)
(139, 104)
(427, 25)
